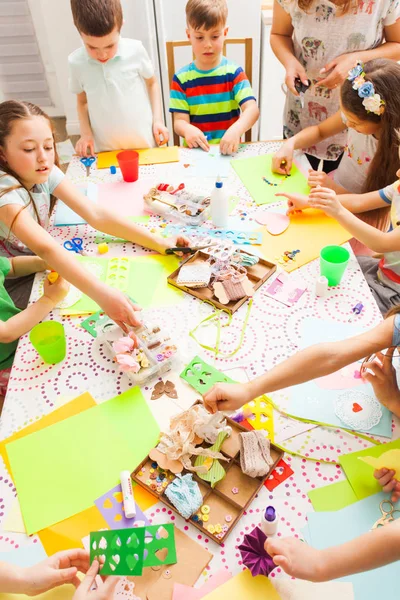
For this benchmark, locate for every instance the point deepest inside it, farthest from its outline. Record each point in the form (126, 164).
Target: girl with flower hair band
(370, 112)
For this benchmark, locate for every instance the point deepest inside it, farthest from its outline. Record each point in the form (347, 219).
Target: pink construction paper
(125, 198)
(275, 223)
(344, 379)
(185, 592)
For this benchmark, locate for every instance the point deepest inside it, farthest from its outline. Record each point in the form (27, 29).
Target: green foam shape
(202, 376)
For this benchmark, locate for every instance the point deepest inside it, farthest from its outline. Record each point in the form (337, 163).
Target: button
(205, 509)
(211, 529)
(218, 528)
(228, 519)
(205, 518)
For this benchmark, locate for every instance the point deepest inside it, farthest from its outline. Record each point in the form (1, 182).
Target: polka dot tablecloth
(271, 336)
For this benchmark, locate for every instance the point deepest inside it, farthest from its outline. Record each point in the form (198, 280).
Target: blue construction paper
(314, 331)
(334, 528)
(25, 556)
(65, 216)
(309, 401)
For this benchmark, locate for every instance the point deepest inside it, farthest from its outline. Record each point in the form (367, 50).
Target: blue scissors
(87, 162)
(74, 245)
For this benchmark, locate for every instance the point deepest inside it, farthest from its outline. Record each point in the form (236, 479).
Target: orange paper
(147, 156)
(70, 409)
(309, 231)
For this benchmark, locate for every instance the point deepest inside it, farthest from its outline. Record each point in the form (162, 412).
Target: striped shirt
(389, 266)
(211, 98)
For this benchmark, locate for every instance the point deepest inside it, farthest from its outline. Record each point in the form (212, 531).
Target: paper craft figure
(276, 223)
(388, 460)
(254, 556)
(215, 471)
(110, 506)
(162, 388)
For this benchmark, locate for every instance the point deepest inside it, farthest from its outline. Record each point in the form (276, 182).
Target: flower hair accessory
(372, 102)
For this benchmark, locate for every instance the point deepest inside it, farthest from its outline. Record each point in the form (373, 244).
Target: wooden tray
(258, 274)
(221, 500)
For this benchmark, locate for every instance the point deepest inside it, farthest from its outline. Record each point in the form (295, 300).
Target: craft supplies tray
(257, 274)
(183, 205)
(161, 352)
(222, 505)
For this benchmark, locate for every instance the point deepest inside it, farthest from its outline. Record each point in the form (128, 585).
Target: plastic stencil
(90, 323)
(118, 273)
(202, 376)
(128, 551)
(237, 237)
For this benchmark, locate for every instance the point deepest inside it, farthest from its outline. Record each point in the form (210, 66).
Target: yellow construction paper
(68, 534)
(64, 592)
(309, 231)
(245, 587)
(147, 156)
(14, 521)
(387, 460)
(74, 407)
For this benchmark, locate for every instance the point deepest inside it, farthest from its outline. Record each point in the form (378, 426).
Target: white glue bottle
(219, 205)
(269, 521)
(127, 495)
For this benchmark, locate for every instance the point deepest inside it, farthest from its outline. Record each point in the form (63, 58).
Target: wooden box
(257, 274)
(221, 500)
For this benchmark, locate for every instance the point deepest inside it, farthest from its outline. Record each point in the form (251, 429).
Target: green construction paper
(159, 537)
(164, 294)
(122, 550)
(359, 474)
(202, 376)
(252, 170)
(59, 471)
(332, 497)
(110, 239)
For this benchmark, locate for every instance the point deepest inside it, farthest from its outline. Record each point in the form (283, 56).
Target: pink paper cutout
(276, 223)
(344, 379)
(185, 592)
(125, 198)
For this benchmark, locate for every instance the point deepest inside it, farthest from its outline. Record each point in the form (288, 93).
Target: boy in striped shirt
(211, 98)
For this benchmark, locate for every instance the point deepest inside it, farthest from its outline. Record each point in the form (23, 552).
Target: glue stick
(269, 521)
(127, 495)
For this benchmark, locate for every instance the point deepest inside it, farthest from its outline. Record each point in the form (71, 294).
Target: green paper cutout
(332, 497)
(360, 475)
(202, 376)
(216, 472)
(154, 543)
(52, 479)
(128, 551)
(252, 170)
(90, 323)
(124, 558)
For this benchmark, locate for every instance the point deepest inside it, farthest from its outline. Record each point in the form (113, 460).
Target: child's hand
(226, 396)
(119, 308)
(173, 242)
(104, 590)
(293, 71)
(283, 159)
(56, 291)
(296, 558)
(386, 479)
(383, 380)
(82, 145)
(295, 201)
(319, 178)
(326, 200)
(56, 570)
(195, 138)
(230, 141)
(160, 131)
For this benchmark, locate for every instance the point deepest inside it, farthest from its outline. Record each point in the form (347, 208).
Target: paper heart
(107, 503)
(162, 554)
(162, 533)
(132, 541)
(356, 407)
(131, 561)
(186, 166)
(116, 558)
(275, 223)
(357, 374)
(118, 518)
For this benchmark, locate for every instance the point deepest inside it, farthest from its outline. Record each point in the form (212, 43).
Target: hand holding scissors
(387, 515)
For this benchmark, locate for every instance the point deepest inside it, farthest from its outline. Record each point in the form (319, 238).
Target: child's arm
(56, 570)
(193, 136)
(86, 140)
(378, 241)
(369, 551)
(108, 221)
(282, 46)
(159, 128)
(310, 363)
(25, 265)
(231, 138)
(355, 203)
(19, 324)
(310, 136)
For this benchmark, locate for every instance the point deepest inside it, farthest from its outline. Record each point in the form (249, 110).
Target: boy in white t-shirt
(119, 101)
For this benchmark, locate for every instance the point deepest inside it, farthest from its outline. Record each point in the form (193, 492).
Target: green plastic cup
(333, 263)
(49, 341)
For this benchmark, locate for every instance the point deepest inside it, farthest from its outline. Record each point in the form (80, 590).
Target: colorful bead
(154, 465)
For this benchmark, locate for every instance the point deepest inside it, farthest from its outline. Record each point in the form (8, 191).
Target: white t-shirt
(319, 36)
(119, 106)
(358, 155)
(9, 244)
(389, 266)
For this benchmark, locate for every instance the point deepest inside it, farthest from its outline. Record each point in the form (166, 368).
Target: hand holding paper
(296, 558)
(103, 591)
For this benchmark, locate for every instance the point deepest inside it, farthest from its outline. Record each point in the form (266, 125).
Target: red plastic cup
(128, 161)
